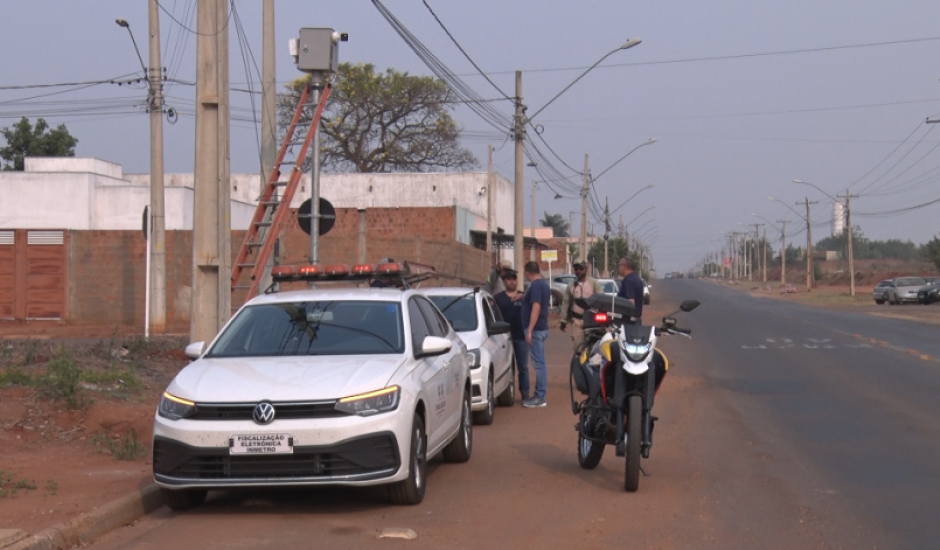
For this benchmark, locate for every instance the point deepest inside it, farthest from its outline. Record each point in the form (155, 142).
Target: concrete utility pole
(606, 233)
(757, 249)
(783, 253)
(532, 232)
(489, 201)
(848, 227)
(158, 219)
(584, 199)
(268, 94)
(519, 135)
(211, 294)
(809, 248)
(764, 261)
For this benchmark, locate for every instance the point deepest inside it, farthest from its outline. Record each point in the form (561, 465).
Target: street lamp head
(122, 23)
(558, 196)
(652, 140)
(771, 199)
(630, 43)
(798, 181)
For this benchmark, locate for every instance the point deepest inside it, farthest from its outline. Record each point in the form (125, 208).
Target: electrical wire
(197, 33)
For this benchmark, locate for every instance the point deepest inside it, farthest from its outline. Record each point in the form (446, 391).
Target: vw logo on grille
(263, 413)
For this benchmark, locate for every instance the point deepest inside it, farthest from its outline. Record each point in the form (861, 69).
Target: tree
(617, 247)
(557, 223)
(25, 140)
(384, 122)
(931, 251)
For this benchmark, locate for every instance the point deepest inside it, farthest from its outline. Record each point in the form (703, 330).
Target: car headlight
(474, 356)
(637, 352)
(367, 404)
(174, 408)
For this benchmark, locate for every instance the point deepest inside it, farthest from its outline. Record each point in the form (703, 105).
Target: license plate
(261, 444)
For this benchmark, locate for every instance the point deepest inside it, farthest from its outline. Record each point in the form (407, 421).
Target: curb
(91, 526)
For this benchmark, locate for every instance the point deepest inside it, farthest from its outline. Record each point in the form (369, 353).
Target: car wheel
(183, 499)
(411, 490)
(879, 302)
(646, 301)
(485, 417)
(508, 397)
(460, 448)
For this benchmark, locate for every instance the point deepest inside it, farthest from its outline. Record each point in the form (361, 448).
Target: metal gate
(32, 274)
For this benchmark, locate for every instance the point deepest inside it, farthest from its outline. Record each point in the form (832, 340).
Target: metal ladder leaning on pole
(268, 220)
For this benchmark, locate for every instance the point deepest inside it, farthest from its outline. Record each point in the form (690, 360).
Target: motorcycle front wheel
(589, 452)
(631, 480)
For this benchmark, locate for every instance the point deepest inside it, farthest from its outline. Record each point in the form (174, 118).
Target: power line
(191, 31)
(732, 56)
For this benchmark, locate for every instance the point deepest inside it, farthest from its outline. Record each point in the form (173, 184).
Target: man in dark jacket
(510, 305)
(632, 286)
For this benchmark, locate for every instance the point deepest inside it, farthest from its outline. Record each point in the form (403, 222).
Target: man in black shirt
(632, 286)
(510, 305)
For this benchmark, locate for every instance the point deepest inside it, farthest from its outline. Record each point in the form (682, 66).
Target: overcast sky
(840, 99)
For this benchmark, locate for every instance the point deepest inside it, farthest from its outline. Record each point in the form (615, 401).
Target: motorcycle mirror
(689, 305)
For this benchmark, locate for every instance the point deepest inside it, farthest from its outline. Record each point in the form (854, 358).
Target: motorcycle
(619, 370)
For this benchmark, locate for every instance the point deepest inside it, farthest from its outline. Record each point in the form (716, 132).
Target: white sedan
(315, 387)
(479, 323)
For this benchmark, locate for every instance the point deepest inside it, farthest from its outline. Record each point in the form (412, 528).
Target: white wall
(88, 193)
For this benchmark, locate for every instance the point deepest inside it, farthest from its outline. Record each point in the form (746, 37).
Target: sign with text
(549, 255)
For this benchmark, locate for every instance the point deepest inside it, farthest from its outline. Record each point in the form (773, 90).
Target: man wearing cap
(494, 282)
(510, 305)
(583, 287)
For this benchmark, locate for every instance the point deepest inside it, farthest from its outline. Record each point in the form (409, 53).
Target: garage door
(32, 274)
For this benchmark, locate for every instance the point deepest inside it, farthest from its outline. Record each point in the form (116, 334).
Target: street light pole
(584, 199)
(848, 227)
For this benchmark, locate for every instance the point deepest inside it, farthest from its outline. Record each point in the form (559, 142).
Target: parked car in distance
(878, 293)
(903, 289)
(610, 286)
(317, 387)
(479, 323)
(646, 292)
(929, 293)
(558, 285)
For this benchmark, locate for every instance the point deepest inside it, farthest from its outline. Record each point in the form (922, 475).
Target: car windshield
(932, 280)
(911, 281)
(565, 280)
(313, 328)
(610, 287)
(461, 311)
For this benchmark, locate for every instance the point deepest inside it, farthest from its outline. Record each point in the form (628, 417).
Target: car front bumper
(349, 450)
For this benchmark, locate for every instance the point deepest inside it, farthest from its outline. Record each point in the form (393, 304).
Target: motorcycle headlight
(637, 352)
(174, 408)
(367, 404)
(474, 356)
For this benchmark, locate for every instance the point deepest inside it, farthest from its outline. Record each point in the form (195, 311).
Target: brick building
(71, 245)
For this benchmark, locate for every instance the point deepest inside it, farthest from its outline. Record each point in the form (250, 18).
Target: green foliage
(617, 247)
(9, 484)
(557, 223)
(52, 486)
(384, 122)
(60, 382)
(14, 376)
(128, 447)
(25, 140)
(931, 251)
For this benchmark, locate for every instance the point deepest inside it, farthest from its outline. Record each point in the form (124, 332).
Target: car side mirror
(434, 345)
(498, 327)
(195, 350)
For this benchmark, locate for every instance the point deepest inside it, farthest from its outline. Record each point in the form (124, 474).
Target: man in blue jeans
(535, 304)
(510, 305)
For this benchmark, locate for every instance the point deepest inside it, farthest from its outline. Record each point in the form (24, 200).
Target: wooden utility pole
(211, 294)
(783, 253)
(606, 233)
(268, 93)
(584, 199)
(489, 200)
(157, 202)
(518, 134)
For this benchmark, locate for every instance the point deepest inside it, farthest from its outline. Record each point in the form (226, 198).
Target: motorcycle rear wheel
(631, 480)
(589, 452)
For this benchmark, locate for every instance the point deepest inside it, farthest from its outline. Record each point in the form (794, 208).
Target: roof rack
(398, 274)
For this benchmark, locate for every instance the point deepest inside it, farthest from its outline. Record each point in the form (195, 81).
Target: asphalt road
(781, 426)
